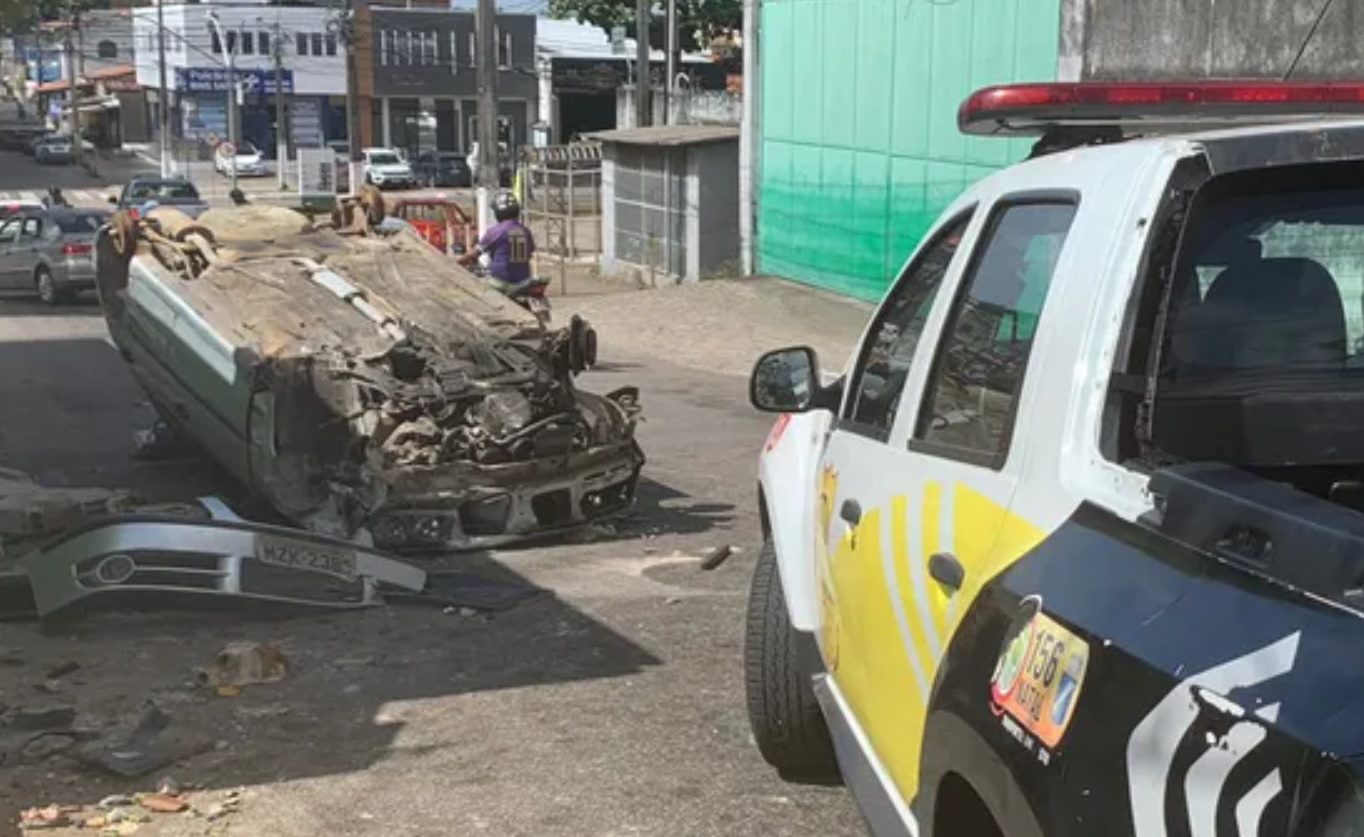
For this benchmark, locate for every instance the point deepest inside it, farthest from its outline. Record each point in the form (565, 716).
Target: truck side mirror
(785, 381)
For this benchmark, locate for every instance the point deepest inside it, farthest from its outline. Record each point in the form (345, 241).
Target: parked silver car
(50, 252)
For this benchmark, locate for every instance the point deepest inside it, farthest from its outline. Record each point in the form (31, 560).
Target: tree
(697, 20)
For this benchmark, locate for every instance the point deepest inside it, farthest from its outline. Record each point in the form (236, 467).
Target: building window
(217, 44)
(301, 43)
(331, 44)
(454, 57)
(317, 43)
(248, 41)
(107, 49)
(263, 41)
(473, 50)
(504, 48)
(430, 51)
(232, 42)
(383, 47)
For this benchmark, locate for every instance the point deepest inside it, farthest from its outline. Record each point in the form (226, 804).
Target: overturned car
(361, 382)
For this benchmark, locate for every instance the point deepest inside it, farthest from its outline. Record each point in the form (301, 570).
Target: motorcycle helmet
(506, 207)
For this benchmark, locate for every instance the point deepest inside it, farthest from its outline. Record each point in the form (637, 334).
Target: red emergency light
(1035, 108)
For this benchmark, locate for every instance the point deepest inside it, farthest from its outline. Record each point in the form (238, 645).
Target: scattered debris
(716, 557)
(126, 814)
(672, 600)
(272, 710)
(115, 800)
(95, 822)
(148, 747)
(243, 664)
(13, 657)
(43, 718)
(169, 786)
(163, 803)
(160, 443)
(51, 816)
(60, 671)
(45, 745)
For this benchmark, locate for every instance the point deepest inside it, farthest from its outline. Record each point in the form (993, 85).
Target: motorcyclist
(508, 244)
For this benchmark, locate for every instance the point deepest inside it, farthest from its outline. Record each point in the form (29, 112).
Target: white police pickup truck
(1075, 545)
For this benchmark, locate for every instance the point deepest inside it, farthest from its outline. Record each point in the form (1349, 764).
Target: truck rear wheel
(782, 710)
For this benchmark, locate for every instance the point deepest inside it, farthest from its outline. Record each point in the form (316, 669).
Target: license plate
(297, 555)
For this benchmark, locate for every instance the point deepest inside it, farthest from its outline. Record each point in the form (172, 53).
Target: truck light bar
(1036, 108)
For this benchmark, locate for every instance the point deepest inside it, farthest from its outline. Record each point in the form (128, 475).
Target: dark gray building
(426, 78)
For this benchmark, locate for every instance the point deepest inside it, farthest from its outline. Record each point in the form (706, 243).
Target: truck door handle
(851, 512)
(946, 570)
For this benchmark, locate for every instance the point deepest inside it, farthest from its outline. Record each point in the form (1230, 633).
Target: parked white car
(247, 160)
(385, 167)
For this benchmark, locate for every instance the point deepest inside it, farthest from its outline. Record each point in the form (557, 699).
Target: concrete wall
(1180, 39)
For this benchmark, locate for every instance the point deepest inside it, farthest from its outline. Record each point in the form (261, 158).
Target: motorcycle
(532, 295)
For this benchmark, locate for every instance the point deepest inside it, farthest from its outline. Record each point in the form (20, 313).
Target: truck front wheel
(782, 710)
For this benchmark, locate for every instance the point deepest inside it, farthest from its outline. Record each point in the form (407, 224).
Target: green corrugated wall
(858, 141)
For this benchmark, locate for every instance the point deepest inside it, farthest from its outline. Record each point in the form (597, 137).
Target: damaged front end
(365, 383)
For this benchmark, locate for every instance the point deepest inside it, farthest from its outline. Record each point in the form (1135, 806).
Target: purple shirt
(509, 246)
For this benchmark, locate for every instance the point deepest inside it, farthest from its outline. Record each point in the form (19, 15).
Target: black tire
(46, 287)
(782, 710)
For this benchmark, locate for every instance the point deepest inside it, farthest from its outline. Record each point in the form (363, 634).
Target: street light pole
(228, 50)
(163, 102)
(644, 114)
(489, 169)
(281, 141)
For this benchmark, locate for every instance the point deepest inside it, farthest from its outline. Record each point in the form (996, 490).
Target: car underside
(362, 383)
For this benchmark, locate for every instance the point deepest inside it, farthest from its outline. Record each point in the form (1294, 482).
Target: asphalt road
(613, 707)
(19, 174)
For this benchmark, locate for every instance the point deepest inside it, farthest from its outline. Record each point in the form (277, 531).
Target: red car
(442, 223)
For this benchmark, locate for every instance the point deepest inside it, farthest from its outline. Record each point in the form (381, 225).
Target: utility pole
(488, 170)
(643, 76)
(162, 99)
(229, 50)
(351, 38)
(71, 113)
(670, 83)
(281, 141)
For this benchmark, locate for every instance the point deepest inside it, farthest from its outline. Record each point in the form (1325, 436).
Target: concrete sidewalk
(718, 325)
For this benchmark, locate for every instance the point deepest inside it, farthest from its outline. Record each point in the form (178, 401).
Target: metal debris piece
(209, 558)
(149, 746)
(716, 557)
(461, 591)
(243, 664)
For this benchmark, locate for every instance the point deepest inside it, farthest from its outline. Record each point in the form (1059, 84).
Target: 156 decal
(1038, 677)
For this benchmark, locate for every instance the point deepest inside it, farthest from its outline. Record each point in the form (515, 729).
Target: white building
(311, 54)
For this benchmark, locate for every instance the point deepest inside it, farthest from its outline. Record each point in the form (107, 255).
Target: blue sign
(214, 80)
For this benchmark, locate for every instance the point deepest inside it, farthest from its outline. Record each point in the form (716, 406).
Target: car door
(23, 251)
(921, 468)
(10, 261)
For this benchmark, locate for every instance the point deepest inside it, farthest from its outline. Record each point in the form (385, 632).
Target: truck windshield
(1263, 357)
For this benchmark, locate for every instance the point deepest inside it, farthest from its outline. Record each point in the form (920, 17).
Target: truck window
(969, 405)
(883, 365)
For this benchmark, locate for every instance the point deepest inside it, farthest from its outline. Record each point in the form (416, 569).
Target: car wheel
(785, 717)
(48, 290)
